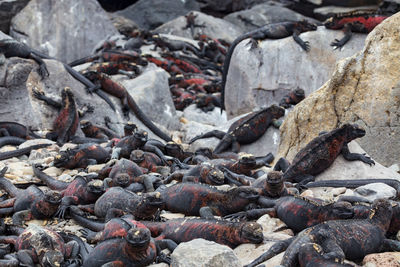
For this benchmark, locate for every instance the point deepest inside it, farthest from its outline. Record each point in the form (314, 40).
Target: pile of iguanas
(135, 184)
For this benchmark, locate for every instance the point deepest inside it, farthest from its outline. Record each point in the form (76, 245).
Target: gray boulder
(149, 14)
(62, 29)
(19, 76)
(376, 191)
(151, 92)
(203, 253)
(267, 143)
(214, 27)
(8, 9)
(262, 76)
(262, 14)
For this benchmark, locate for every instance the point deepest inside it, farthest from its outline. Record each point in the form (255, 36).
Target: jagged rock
(387, 259)
(363, 89)
(327, 11)
(375, 191)
(342, 169)
(262, 76)
(151, 92)
(262, 14)
(149, 14)
(8, 9)
(214, 27)
(269, 225)
(62, 29)
(19, 76)
(201, 252)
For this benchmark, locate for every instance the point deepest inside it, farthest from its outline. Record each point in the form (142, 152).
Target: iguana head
(305, 26)
(342, 210)
(253, 232)
(138, 237)
(352, 131)
(276, 111)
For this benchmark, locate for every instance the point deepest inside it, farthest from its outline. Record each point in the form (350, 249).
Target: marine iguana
(292, 98)
(206, 201)
(245, 130)
(95, 131)
(321, 152)
(297, 212)
(351, 239)
(136, 248)
(173, 45)
(81, 190)
(117, 90)
(270, 31)
(39, 245)
(112, 56)
(10, 128)
(222, 232)
(31, 203)
(359, 21)
(117, 200)
(81, 156)
(13, 48)
(191, 23)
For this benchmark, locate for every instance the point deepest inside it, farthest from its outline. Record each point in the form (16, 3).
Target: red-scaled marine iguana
(270, 31)
(358, 21)
(321, 152)
(31, 203)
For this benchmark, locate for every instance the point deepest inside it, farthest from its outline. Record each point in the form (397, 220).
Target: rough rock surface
(363, 89)
(214, 27)
(387, 259)
(262, 76)
(262, 14)
(149, 14)
(17, 81)
(8, 9)
(62, 29)
(200, 252)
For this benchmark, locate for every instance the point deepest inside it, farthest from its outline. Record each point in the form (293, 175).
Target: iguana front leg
(42, 66)
(347, 36)
(355, 156)
(303, 44)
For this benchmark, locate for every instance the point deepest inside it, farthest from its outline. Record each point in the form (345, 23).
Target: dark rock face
(8, 9)
(149, 14)
(62, 29)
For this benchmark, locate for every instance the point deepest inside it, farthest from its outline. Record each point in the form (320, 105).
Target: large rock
(363, 89)
(151, 92)
(19, 76)
(204, 253)
(262, 76)
(8, 9)
(149, 14)
(214, 27)
(387, 259)
(262, 14)
(62, 29)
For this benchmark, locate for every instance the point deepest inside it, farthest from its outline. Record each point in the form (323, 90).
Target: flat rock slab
(262, 76)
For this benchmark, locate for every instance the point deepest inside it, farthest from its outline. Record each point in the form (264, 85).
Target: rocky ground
(357, 84)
